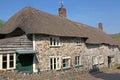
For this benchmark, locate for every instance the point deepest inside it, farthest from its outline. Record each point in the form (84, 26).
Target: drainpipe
(34, 61)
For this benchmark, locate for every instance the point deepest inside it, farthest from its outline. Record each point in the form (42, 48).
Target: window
(78, 61)
(54, 41)
(8, 61)
(101, 60)
(78, 43)
(66, 63)
(95, 60)
(4, 61)
(11, 60)
(54, 63)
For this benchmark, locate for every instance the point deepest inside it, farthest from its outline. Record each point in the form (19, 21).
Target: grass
(1, 23)
(116, 36)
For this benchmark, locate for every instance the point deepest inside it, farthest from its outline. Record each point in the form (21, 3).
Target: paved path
(104, 76)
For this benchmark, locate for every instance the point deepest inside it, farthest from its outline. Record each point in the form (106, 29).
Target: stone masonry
(68, 48)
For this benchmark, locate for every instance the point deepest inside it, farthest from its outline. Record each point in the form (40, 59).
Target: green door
(25, 62)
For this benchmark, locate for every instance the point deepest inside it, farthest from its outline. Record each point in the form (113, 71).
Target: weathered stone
(68, 48)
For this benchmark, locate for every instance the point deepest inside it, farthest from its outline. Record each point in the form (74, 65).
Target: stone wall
(97, 50)
(68, 48)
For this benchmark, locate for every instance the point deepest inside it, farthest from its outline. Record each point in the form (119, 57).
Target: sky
(89, 12)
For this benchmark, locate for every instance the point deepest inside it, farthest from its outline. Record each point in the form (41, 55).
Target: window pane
(54, 42)
(4, 65)
(54, 63)
(11, 57)
(63, 65)
(67, 62)
(75, 60)
(57, 62)
(50, 41)
(51, 64)
(11, 63)
(4, 57)
(63, 62)
(57, 42)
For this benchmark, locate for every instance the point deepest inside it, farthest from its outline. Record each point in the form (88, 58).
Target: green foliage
(1, 23)
(116, 36)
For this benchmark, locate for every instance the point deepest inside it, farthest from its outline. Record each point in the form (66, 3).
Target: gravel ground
(12, 75)
(110, 75)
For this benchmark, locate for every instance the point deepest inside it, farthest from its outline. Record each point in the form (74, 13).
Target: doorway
(24, 60)
(109, 62)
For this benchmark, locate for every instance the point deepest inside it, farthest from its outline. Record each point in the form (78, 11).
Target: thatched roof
(97, 36)
(32, 21)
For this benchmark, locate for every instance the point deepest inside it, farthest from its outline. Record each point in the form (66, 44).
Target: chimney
(100, 26)
(62, 10)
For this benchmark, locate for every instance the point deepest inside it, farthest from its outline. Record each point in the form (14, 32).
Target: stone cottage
(34, 41)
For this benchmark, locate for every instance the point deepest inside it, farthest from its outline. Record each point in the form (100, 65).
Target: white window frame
(78, 61)
(68, 63)
(95, 60)
(101, 59)
(113, 59)
(8, 61)
(79, 42)
(56, 62)
(54, 41)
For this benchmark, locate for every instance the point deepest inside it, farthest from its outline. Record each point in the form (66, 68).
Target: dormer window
(54, 41)
(78, 42)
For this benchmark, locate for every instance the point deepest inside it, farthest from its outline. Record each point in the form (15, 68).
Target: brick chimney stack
(100, 26)
(62, 10)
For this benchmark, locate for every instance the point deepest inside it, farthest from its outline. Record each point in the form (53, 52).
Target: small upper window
(54, 41)
(78, 42)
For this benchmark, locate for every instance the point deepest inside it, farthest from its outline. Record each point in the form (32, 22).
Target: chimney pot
(62, 11)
